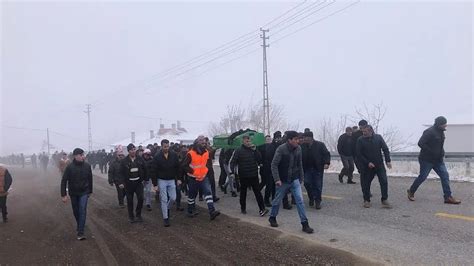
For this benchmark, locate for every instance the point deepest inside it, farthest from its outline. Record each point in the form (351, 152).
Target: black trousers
(120, 194)
(132, 188)
(3, 206)
(245, 183)
(178, 195)
(348, 167)
(103, 168)
(269, 188)
(222, 176)
(367, 176)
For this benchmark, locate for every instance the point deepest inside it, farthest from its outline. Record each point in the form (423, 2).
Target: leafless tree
(374, 114)
(237, 118)
(329, 131)
(233, 120)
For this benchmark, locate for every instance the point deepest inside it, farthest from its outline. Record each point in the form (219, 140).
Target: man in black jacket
(316, 158)
(356, 134)
(247, 159)
(166, 164)
(77, 178)
(371, 163)
(270, 149)
(5, 183)
(133, 172)
(147, 183)
(431, 157)
(115, 178)
(346, 152)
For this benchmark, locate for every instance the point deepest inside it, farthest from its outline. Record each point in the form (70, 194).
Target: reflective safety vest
(198, 164)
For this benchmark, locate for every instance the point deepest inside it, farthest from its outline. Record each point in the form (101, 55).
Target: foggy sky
(57, 57)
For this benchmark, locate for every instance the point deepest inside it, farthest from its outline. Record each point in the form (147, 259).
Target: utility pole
(88, 112)
(266, 101)
(47, 139)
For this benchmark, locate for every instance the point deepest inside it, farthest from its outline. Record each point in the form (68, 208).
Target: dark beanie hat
(363, 123)
(291, 134)
(130, 147)
(440, 120)
(77, 151)
(277, 134)
(308, 134)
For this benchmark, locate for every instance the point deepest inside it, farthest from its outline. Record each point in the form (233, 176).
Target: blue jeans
(313, 182)
(79, 208)
(440, 169)
(281, 191)
(167, 195)
(194, 187)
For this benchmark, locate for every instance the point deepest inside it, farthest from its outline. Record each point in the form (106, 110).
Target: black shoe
(139, 219)
(234, 194)
(287, 207)
(263, 212)
(318, 205)
(5, 220)
(307, 229)
(216, 199)
(192, 214)
(243, 211)
(351, 182)
(273, 221)
(340, 179)
(214, 214)
(167, 222)
(148, 208)
(81, 237)
(311, 203)
(131, 220)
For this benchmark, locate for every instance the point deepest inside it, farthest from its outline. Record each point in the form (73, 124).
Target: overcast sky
(57, 57)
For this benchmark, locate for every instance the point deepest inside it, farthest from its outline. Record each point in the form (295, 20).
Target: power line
(303, 18)
(282, 15)
(314, 22)
(299, 13)
(215, 67)
(243, 39)
(213, 59)
(240, 42)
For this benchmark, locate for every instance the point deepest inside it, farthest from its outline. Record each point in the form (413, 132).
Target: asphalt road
(425, 231)
(41, 229)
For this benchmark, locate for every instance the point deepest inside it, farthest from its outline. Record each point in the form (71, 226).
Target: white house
(176, 134)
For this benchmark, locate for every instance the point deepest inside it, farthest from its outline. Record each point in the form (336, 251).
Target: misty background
(56, 57)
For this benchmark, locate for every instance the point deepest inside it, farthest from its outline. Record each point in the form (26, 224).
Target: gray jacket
(287, 164)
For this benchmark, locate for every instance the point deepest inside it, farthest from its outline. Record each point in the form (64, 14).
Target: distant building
(176, 134)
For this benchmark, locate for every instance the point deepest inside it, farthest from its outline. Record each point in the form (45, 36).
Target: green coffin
(234, 140)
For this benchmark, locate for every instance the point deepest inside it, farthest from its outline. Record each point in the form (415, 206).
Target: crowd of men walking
(283, 163)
